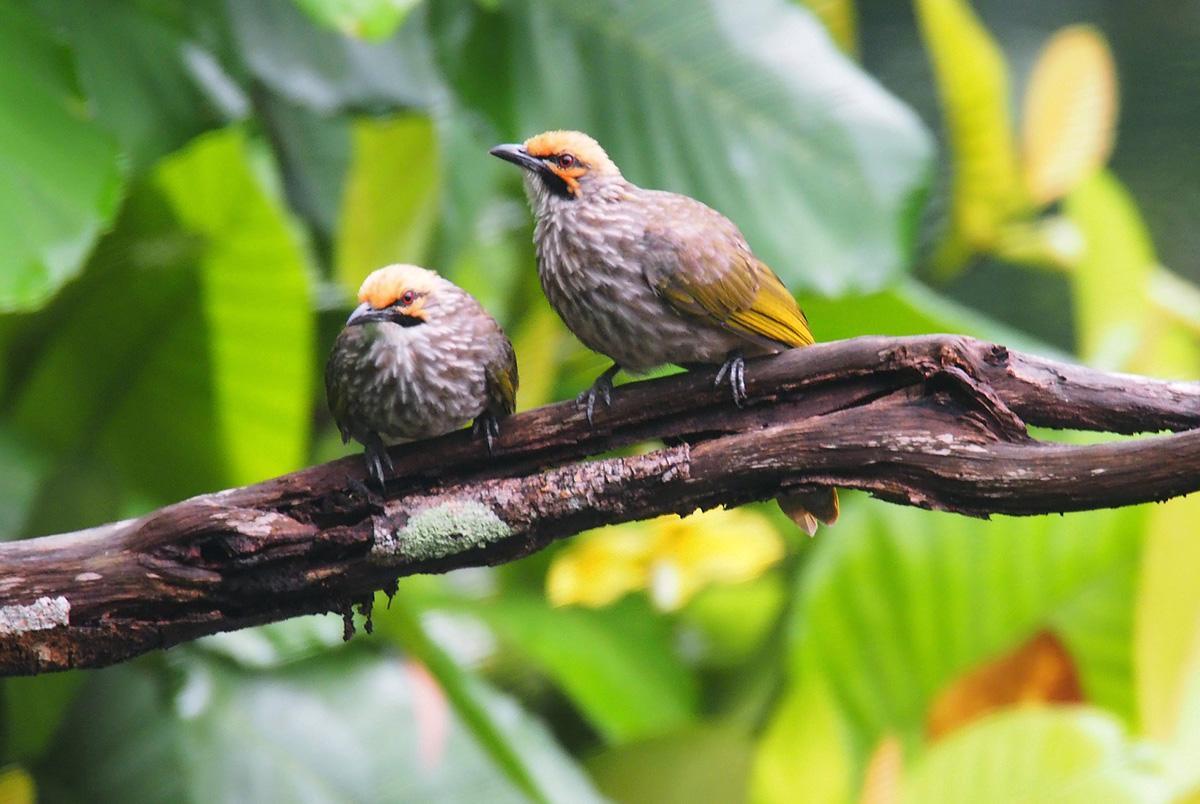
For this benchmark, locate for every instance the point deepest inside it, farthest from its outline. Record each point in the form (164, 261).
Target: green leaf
(314, 152)
(732, 621)
(1184, 744)
(60, 175)
(33, 708)
(1061, 755)
(328, 71)
(705, 763)
(188, 344)
(906, 600)
(1110, 282)
(351, 726)
(152, 98)
(1098, 630)
(21, 469)
(537, 340)
(367, 19)
(804, 747)
(972, 81)
(390, 203)
(1168, 618)
(911, 308)
(615, 664)
(744, 104)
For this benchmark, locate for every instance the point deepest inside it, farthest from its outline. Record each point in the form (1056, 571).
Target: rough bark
(936, 421)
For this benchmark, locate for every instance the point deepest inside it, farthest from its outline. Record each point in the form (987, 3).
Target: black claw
(602, 388)
(488, 426)
(377, 458)
(734, 368)
(721, 372)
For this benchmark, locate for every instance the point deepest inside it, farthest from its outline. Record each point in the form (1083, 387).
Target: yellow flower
(671, 557)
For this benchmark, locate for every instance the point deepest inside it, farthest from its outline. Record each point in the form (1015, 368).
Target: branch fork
(934, 421)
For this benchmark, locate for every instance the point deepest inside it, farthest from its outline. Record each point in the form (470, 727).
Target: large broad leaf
(906, 600)
(972, 80)
(60, 176)
(183, 359)
(347, 726)
(325, 70)
(745, 104)
(390, 202)
(1060, 755)
(164, 89)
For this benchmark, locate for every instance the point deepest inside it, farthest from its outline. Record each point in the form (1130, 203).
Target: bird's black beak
(517, 154)
(365, 313)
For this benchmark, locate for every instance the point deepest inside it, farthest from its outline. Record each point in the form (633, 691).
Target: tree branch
(935, 421)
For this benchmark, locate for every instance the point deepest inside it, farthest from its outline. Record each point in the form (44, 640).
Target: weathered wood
(935, 421)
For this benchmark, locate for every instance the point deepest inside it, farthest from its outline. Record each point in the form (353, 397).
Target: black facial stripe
(407, 320)
(556, 184)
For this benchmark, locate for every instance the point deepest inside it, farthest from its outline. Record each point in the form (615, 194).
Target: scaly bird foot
(602, 388)
(734, 368)
(487, 425)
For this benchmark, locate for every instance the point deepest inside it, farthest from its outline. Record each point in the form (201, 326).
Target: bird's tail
(807, 508)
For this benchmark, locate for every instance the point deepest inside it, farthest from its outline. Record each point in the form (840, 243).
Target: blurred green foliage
(191, 192)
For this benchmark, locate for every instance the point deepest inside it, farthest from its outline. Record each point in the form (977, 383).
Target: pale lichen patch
(88, 576)
(254, 523)
(40, 615)
(444, 529)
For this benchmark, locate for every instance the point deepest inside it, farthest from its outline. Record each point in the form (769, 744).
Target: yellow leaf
(1070, 115)
(972, 80)
(16, 786)
(840, 19)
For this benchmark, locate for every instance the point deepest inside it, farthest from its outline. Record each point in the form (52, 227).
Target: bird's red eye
(566, 160)
(407, 298)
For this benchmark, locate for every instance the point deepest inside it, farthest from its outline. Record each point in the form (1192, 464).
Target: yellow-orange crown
(580, 145)
(387, 284)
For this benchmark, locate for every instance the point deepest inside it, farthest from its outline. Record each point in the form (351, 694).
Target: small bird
(417, 358)
(649, 277)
